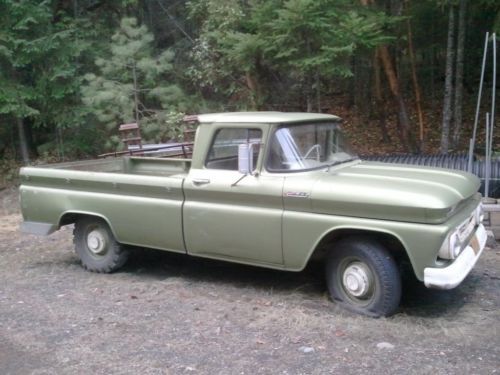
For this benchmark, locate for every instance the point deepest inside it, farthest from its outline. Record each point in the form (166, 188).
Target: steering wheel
(313, 148)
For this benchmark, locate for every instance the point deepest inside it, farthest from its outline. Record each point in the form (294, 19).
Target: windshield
(308, 146)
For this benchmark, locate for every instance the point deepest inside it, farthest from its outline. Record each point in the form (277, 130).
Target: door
(230, 217)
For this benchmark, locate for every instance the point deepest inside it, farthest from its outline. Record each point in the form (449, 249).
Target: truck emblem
(297, 194)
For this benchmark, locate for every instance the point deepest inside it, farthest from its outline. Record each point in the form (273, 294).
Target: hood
(392, 192)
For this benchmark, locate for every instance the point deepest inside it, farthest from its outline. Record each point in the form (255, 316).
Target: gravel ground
(170, 314)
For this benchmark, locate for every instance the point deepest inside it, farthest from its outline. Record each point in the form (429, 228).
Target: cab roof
(264, 117)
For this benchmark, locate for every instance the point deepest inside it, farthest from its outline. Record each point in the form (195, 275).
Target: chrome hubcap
(96, 242)
(357, 280)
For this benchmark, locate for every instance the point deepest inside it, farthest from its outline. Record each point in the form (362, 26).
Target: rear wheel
(96, 246)
(363, 277)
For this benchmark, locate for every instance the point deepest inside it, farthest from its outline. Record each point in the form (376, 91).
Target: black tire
(96, 246)
(363, 277)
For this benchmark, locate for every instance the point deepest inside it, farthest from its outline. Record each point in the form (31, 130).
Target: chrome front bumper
(449, 277)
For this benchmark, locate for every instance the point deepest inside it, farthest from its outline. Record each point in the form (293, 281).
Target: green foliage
(21, 24)
(9, 171)
(302, 40)
(132, 83)
(40, 68)
(39, 77)
(210, 68)
(167, 126)
(69, 82)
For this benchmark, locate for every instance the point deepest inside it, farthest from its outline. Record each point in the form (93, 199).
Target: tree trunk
(60, 142)
(309, 103)
(254, 88)
(136, 99)
(318, 92)
(309, 92)
(404, 122)
(379, 101)
(416, 86)
(459, 87)
(23, 142)
(13, 139)
(448, 84)
(392, 78)
(396, 7)
(351, 84)
(310, 80)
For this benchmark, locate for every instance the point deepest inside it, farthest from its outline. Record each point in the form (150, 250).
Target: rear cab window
(223, 153)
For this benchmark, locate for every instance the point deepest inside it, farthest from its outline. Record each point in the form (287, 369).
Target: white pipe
(493, 90)
(486, 158)
(471, 147)
(490, 149)
(476, 119)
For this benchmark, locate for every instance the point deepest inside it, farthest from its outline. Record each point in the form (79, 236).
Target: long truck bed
(125, 165)
(141, 198)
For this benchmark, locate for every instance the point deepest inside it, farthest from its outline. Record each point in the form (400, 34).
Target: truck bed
(147, 166)
(141, 197)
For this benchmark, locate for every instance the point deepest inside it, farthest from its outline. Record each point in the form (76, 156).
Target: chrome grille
(466, 228)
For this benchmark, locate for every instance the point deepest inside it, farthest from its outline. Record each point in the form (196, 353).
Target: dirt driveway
(169, 314)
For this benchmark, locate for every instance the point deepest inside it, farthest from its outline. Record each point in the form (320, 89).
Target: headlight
(455, 245)
(479, 214)
(451, 246)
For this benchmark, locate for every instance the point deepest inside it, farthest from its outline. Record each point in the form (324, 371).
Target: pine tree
(37, 75)
(303, 42)
(131, 84)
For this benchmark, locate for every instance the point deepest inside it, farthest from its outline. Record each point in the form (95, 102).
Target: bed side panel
(141, 210)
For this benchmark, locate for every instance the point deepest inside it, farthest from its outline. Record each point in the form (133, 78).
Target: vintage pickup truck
(274, 190)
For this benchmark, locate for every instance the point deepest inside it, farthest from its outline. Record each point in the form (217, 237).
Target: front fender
(303, 232)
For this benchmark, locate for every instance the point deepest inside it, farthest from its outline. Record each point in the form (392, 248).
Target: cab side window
(223, 153)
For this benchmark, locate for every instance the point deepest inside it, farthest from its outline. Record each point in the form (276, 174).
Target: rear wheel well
(69, 218)
(390, 242)
(73, 217)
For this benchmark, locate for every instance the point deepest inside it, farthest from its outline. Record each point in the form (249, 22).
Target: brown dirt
(170, 314)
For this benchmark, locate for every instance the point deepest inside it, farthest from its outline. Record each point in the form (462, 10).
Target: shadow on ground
(417, 300)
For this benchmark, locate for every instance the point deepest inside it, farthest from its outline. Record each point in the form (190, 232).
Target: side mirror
(245, 158)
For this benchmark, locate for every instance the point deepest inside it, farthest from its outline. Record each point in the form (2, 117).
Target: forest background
(403, 74)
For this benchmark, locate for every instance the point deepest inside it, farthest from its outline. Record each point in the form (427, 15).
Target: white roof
(264, 117)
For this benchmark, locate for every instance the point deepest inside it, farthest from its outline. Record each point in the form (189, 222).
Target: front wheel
(96, 246)
(363, 277)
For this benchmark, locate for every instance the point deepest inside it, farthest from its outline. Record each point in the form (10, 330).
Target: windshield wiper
(340, 162)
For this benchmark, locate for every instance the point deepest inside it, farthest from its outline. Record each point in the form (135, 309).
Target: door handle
(200, 181)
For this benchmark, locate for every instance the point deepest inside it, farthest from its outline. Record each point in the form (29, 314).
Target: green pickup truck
(274, 190)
